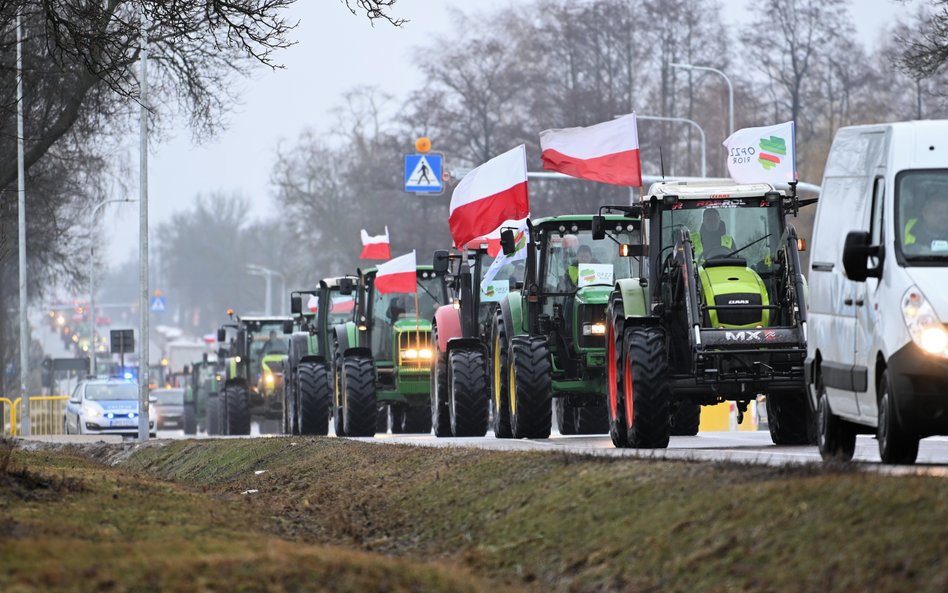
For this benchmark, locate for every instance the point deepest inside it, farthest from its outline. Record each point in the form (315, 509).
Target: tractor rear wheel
(290, 404)
(500, 389)
(565, 416)
(236, 410)
(396, 417)
(591, 420)
(440, 411)
(358, 396)
(686, 419)
(337, 419)
(416, 420)
(615, 405)
(315, 397)
(646, 392)
(788, 417)
(469, 400)
(213, 415)
(531, 388)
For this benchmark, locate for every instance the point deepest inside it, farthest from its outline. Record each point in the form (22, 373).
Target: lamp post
(21, 235)
(730, 89)
(92, 218)
(268, 275)
(685, 120)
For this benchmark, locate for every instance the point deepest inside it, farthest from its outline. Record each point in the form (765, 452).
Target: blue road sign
(423, 173)
(158, 304)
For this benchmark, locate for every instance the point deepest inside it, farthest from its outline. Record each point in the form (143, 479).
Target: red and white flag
(377, 247)
(313, 303)
(606, 152)
(488, 195)
(397, 275)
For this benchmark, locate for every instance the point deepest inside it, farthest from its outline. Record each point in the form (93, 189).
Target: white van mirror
(856, 253)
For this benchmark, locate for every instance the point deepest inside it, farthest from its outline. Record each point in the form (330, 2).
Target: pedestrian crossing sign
(423, 173)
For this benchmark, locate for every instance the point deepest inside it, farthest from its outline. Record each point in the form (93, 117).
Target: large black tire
(615, 355)
(213, 415)
(358, 396)
(787, 417)
(500, 375)
(190, 420)
(836, 438)
(236, 405)
(686, 419)
(416, 420)
(896, 445)
(531, 388)
(338, 421)
(290, 404)
(315, 397)
(381, 420)
(646, 388)
(565, 416)
(440, 410)
(396, 417)
(469, 401)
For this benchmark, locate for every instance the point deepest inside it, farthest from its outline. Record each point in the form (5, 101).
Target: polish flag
(343, 304)
(606, 152)
(397, 275)
(313, 303)
(488, 195)
(492, 239)
(376, 247)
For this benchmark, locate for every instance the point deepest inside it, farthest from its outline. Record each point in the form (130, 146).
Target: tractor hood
(739, 293)
(593, 295)
(411, 324)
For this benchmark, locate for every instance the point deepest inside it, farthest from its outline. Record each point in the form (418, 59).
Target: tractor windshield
(269, 339)
(749, 229)
(572, 259)
(390, 307)
(341, 309)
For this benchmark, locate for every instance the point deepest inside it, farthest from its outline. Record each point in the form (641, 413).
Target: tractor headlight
(410, 354)
(923, 324)
(268, 378)
(594, 329)
(425, 353)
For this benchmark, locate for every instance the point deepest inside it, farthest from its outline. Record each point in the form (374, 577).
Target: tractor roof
(334, 281)
(716, 189)
(419, 268)
(587, 218)
(265, 319)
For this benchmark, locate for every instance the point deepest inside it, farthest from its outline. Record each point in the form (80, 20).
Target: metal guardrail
(47, 413)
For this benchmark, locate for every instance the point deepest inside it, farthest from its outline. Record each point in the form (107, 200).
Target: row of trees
(505, 75)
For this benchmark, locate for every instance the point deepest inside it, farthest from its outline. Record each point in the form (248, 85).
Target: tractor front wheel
(500, 390)
(787, 417)
(531, 388)
(315, 398)
(440, 412)
(686, 419)
(646, 392)
(358, 396)
(615, 405)
(469, 399)
(236, 410)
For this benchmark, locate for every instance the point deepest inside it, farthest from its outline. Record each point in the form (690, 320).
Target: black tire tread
(788, 417)
(651, 392)
(686, 420)
(315, 397)
(469, 402)
(530, 358)
(358, 391)
(237, 410)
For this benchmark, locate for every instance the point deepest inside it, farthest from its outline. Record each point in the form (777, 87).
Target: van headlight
(923, 324)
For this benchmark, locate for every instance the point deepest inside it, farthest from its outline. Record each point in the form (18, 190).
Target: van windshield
(922, 216)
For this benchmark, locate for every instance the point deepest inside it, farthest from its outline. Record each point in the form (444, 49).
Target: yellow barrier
(9, 417)
(47, 413)
(722, 417)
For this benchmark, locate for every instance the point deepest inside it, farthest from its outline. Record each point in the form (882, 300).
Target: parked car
(104, 406)
(877, 359)
(168, 408)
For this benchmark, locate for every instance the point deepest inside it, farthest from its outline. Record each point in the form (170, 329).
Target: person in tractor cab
(928, 232)
(273, 345)
(584, 255)
(712, 238)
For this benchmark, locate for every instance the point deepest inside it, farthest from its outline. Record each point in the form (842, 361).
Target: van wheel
(896, 446)
(835, 437)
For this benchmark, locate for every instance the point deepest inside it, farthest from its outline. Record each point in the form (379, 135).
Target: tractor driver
(712, 237)
(273, 345)
(584, 255)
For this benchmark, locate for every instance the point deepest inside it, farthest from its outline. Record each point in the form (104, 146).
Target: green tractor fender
(346, 338)
(634, 297)
(511, 308)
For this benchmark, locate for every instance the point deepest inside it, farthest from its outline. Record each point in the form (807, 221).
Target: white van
(877, 354)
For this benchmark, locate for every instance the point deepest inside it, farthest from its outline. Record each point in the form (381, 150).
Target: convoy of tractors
(623, 322)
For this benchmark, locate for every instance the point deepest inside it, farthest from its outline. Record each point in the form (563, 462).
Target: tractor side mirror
(222, 335)
(346, 286)
(631, 250)
(287, 326)
(598, 227)
(186, 370)
(856, 253)
(507, 242)
(296, 304)
(441, 261)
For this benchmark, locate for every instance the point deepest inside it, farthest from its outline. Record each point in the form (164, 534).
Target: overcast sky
(336, 51)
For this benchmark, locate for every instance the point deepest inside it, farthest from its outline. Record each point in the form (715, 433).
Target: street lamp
(95, 212)
(268, 275)
(730, 89)
(685, 120)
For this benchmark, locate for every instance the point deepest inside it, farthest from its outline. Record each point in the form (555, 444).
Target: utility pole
(21, 231)
(143, 240)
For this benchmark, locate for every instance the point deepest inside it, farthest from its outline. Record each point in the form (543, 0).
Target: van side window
(849, 196)
(878, 209)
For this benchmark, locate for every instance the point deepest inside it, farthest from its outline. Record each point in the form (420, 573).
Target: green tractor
(382, 357)
(460, 392)
(719, 316)
(307, 369)
(200, 397)
(253, 373)
(548, 346)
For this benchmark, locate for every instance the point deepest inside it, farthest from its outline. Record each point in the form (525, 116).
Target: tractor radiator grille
(728, 316)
